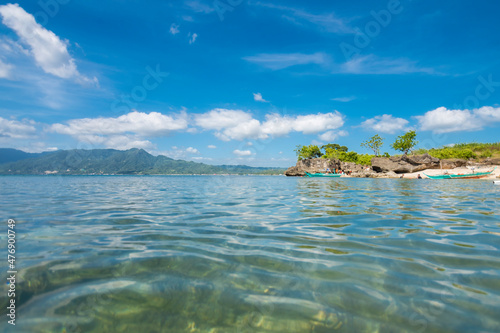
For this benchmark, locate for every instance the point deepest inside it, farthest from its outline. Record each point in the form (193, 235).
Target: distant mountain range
(110, 161)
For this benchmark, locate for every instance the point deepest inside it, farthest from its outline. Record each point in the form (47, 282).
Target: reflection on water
(253, 254)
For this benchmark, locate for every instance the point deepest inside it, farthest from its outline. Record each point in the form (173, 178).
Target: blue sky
(244, 82)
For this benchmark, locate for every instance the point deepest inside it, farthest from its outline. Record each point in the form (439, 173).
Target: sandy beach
(463, 170)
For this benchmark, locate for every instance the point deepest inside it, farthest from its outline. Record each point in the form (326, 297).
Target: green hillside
(110, 161)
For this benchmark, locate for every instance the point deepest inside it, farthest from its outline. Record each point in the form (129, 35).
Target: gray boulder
(313, 165)
(405, 163)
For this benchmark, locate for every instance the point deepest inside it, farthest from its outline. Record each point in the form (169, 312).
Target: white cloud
(144, 124)
(240, 125)
(258, 97)
(125, 142)
(218, 119)
(250, 129)
(5, 70)
(48, 50)
(488, 114)
(320, 122)
(17, 129)
(242, 152)
(344, 99)
(442, 120)
(385, 124)
(181, 153)
(211, 147)
(332, 135)
(200, 158)
(371, 64)
(328, 22)
(284, 60)
(192, 150)
(192, 37)
(200, 7)
(174, 29)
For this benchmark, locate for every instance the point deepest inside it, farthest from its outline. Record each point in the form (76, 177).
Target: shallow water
(252, 254)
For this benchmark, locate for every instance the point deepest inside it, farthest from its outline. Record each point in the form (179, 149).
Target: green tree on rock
(375, 143)
(406, 142)
(305, 152)
(335, 146)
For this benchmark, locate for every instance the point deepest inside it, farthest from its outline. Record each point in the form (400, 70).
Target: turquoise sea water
(252, 254)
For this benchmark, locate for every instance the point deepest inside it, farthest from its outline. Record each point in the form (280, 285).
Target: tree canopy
(335, 146)
(375, 143)
(305, 152)
(406, 142)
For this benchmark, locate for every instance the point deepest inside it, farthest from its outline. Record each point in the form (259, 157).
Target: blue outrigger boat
(476, 175)
(331, 175)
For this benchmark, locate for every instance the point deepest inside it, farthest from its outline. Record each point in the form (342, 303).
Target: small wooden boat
(476, 175)
(334, 175)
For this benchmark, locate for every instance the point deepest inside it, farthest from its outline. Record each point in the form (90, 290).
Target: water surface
(252, 254)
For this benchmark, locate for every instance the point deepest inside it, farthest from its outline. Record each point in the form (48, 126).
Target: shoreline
(463, 170)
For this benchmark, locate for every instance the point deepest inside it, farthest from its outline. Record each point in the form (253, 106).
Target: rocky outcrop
(405, 163)
(313, 165)
(453, 163)
(491, 161)
(372, 174)
(382, 167)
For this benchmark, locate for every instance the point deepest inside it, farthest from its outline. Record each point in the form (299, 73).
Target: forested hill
(110, 161)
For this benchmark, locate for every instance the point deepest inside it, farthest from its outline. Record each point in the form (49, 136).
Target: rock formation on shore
(405, 163)
(382, 167)
(313, 165)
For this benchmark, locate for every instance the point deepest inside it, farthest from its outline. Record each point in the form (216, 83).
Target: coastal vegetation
(332, 151)
(405, 143)
(464, 151)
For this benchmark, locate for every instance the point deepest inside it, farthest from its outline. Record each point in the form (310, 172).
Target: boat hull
(467, 176)
(328, 175)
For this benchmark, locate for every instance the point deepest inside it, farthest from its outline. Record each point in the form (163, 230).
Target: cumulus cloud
(488, 114)
(174, 29)
(443, 120)
(124, 132)
(17, 129)
(192, 150)
(143, 124)
(240, 125)
(125, 142)
(315, 123)
(218, 119)
(211, 147)
(48, 50)
(242, 153)
(332, 135)
(385, 124)
(258, 98)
